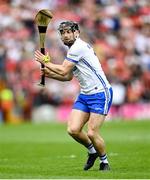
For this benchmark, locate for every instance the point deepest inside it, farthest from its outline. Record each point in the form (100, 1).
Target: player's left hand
(43, 59)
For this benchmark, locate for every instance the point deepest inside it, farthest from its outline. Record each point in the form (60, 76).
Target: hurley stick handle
(42, 83)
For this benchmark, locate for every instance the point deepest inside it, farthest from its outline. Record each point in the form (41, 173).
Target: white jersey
(87, 68)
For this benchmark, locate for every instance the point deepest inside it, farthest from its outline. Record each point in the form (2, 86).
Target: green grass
(46, 151)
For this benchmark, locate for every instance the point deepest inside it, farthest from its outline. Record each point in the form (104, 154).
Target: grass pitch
(46, 151)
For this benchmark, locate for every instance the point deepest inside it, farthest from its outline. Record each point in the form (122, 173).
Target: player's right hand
(45, 71)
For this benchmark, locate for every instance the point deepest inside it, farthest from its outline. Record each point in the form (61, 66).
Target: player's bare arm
(62, 69)
(50, 74)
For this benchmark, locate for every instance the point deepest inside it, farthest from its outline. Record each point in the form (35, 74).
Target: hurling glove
(46, 58)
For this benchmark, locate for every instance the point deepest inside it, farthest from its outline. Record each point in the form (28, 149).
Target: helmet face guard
(68, 25)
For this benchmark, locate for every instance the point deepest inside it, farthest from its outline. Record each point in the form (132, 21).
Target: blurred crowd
(119, 31)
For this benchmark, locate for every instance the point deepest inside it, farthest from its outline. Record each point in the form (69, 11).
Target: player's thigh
(95, 122)
(77, 120)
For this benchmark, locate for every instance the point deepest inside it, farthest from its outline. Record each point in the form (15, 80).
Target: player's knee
(91, 134)
(73, 131)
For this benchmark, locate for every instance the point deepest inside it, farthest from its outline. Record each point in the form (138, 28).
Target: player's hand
(43, 59)
(46, 72)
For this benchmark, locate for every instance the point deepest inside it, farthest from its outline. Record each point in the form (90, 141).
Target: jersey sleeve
(73, 55)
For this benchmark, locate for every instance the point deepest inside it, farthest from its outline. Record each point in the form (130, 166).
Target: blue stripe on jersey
(99, 77)
(72, 60)
(102, 82)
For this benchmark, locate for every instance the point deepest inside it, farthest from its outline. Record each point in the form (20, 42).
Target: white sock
(104, 159)
(91, 149)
